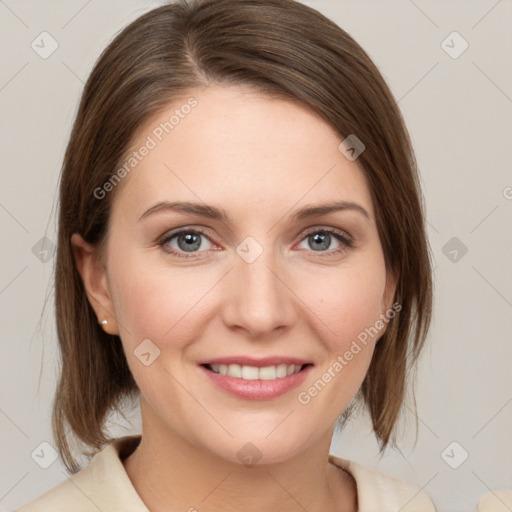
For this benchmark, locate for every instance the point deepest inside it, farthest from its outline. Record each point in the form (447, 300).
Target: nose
(258, 298)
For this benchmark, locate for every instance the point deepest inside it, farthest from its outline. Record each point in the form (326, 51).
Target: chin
(255, 448)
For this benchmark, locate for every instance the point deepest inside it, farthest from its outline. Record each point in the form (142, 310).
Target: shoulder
(496, 501)
(102, 485)
(379, 491)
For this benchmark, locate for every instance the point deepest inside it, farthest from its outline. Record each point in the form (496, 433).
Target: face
(276, 298)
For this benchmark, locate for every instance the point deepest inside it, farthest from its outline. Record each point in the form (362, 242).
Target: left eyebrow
(323, 209)
(215, 213)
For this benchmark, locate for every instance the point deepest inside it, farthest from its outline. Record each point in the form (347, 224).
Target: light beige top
(104, 485)
(496, 501)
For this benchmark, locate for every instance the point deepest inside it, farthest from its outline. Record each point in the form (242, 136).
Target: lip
(256, 389)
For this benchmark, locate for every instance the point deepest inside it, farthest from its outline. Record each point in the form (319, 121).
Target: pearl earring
(104, 322)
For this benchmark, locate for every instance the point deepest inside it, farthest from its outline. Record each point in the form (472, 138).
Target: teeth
(282, 370)
(268, 373)
(249, 373)
(254, 373)
(233, 370)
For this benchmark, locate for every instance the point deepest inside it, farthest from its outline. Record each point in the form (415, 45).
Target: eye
(187, 241)
(190, 241)
(320, 239)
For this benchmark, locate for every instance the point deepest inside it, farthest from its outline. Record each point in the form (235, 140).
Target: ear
(94, 277)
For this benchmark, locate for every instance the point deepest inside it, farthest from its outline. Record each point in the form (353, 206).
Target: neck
(169, 473)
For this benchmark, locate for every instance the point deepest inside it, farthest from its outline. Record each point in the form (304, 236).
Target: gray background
(459, 113)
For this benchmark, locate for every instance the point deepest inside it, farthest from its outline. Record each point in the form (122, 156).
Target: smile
(263, 382)
(254, 373)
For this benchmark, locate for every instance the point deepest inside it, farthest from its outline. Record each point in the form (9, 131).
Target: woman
(217, 143)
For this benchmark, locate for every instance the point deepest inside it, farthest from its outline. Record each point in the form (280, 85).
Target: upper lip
(257, 362)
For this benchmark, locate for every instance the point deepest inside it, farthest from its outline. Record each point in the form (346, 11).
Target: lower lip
(257, 389)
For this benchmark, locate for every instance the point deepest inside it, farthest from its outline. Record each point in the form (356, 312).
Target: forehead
(232, 145)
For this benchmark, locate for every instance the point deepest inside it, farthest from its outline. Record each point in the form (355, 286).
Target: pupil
(192, 242)
(322, 238)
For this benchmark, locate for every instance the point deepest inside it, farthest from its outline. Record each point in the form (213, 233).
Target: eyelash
(339, 235)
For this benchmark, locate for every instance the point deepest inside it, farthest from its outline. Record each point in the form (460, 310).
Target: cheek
(350, 306)
(157, 303)
(163, 308)
(348, 300)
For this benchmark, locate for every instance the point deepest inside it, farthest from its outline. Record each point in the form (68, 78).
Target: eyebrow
(211, 212)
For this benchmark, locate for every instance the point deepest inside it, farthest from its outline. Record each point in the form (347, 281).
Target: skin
(260, 159)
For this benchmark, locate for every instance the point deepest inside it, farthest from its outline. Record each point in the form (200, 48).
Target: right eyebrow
(207, 211)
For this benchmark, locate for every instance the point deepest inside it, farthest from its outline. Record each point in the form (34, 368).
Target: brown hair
(280, 47)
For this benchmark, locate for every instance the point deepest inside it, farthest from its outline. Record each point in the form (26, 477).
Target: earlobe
(94, 278)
